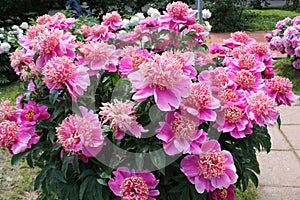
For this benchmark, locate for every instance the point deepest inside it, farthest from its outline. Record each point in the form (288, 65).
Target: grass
(249, 194)
(266, 19)
(9, 92)
(284, 68)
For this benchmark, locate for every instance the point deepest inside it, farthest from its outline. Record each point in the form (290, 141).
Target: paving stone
(293, 134)
(279, 168)
(277, 139)
(278, 193)
(290, 115)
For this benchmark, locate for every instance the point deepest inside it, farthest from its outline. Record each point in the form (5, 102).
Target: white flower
(10, 39)
(1, 36)
(122, 33)
(125, 23)
(206, 14)
(24, 25)
(153, 13)
(134, 20)
(1, 29)
(5, 47)
(14, 27)
(207, 26)
(140, 16)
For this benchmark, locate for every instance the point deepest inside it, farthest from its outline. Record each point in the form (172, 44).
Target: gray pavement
(280, 169)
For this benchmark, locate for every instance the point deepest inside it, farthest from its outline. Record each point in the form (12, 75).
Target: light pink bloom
(281, 89)
(246, 62)
(179, 134)
(60, 21)
(281, 24)
(261, 108)
(247, 80)
(202, 59)
(6, 111)
(121, 117)
(161, 78)
(132, 61)
(20, 58)
(178, 14)
(238, 39)
(211, 169)
(100, 56)
(222, 194)
(199, 34)
(112, 20)
(99, 33)
(201, 104)
(33, 112)
(133, 184)
(61, 71)
(81, 134)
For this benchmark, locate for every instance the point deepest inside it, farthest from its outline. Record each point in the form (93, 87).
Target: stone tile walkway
(280, 169)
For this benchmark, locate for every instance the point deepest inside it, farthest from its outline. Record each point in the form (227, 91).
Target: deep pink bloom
(81, 134)
(163, 79)
(233, 119)
(238, 39)
(211, 169)
(216, 48)
(133, 184)
(121, 116)
(17, 139)
(201, 104)
(261, 108)
(100, 56)
(178, 14)
(149, 23)
(112, 20)
(33, 112)
(281, 89)
(268, 37)
(179, 134)
(222, 194)
(61, 71)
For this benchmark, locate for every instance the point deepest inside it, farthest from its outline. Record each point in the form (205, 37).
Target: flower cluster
(105, 88)
(285, 39)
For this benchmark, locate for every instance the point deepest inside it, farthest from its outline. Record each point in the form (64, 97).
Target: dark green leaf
(16, 158)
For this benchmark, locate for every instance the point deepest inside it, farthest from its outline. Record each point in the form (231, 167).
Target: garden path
(280, 169)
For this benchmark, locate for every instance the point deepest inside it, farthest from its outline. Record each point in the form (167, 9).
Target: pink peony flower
(211, 169)
(178, 14)
(163, 79)
(268, 37)
(199, 34)
(281, 89)
(81, 134)
(112, 20)
(261, 108)
(222, 194)
(179, 134)
(133, 184)
(132, 61)
(201, 104)
(100, 56)
(121, 116)
(232, 118)
(17, 139)
(247, 80)
(99, 33)
(6, 111)
(61, 71)
(296, 64)
(238, 39)
(149, 23)
(33, 112)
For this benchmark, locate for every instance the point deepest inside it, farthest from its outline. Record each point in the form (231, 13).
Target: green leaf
(279, 121)
(65, 165)
(101, 181)
(16, 158)
(158, 158)
(53, 97)
(139, 160)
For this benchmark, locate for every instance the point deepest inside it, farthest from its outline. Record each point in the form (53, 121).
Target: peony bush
(285, 39)
(110, 112)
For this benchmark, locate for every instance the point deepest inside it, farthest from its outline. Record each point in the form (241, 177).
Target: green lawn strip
(284, 68)
(249, 194)
(9, 92)
(266, 19)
